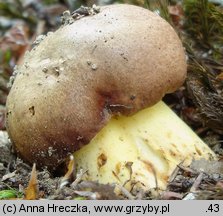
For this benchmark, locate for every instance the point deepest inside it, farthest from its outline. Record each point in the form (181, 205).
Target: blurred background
(199, 24)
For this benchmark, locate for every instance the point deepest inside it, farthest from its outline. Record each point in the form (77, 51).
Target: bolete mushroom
(78, 83)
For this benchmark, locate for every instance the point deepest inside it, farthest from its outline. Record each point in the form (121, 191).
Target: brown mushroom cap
(119, 61)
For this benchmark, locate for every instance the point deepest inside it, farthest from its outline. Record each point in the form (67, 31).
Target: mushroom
(99, 80)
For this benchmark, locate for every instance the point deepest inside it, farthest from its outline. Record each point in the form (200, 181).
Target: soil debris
(68, 18)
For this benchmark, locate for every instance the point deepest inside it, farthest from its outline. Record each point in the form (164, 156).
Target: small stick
(197, 182)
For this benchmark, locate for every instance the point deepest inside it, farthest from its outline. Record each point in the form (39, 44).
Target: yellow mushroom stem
(142, 150)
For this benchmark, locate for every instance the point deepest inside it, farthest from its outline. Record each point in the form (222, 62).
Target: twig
(78, 178)
(174, 174)
(125, 192)
(197, 182)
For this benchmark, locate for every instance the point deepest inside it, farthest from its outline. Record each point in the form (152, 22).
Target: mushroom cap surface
(116, 62)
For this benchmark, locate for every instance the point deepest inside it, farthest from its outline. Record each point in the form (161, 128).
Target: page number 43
(213, 208)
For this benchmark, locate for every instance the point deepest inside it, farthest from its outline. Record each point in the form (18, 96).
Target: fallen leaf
(16, 40)
(31, 192)
(176, 13)
(70, 174)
